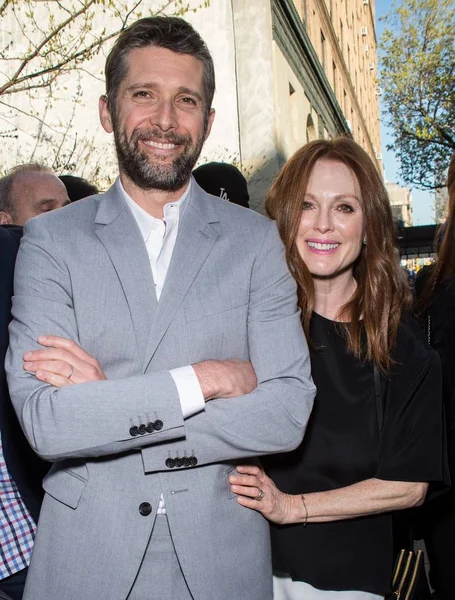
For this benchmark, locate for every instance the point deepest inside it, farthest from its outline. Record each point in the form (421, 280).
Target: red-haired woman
(374, 439)
(435, 289)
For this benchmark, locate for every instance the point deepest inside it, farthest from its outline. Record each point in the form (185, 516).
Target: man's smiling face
(161, 120)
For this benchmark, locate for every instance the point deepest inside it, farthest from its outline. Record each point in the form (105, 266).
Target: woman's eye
(346, 208)
(307, 206)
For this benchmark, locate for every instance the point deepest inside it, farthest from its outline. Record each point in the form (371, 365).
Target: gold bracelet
(306, 510)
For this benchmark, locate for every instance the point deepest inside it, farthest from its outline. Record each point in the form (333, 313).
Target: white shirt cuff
(189, 391)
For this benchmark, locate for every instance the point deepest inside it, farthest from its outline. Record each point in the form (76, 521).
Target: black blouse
(343, 445)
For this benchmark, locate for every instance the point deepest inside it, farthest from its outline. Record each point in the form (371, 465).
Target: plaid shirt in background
(17, 528)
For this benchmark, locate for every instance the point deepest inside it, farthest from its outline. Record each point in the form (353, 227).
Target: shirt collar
(144, 220)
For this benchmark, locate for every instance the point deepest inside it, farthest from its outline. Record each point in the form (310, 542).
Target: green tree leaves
(418, 82)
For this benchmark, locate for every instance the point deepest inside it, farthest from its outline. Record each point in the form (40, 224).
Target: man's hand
(62, 362)
(225, 378)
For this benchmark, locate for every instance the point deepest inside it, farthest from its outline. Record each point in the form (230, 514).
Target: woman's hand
(257, 491)
(62, 362)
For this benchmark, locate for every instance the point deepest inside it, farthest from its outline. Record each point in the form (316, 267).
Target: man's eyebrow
(141, 86)
(190, 92)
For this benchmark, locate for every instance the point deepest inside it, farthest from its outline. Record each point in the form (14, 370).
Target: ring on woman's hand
(259, 496)
(71, 372)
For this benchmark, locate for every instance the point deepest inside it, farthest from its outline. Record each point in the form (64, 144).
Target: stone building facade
(303, 69)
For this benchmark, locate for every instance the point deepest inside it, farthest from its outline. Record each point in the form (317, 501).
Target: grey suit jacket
(83, 273)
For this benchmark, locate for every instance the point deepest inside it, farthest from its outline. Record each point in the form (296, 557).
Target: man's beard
(147, 173)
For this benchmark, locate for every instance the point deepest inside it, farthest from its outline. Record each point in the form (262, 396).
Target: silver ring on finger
(259, 496)
(71, 372)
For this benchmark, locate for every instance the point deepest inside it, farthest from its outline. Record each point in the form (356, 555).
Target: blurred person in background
(78, 187)
(435, 294)
(21, 471)
(373, 441)
(29, 190)
(224, 181)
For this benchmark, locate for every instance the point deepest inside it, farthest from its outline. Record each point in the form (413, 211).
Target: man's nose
(164, 116)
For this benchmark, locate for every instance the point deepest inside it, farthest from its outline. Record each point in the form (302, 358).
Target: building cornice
(293, 40)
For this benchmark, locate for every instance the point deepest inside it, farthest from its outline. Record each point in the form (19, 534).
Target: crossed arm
(62, 362)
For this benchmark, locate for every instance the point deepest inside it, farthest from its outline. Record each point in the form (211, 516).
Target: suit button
(193, 461)
(134, 431)
(158, 424)
(142, 429)
(178, 462)
(170, 463)
(150, 427)
(145, 508)
(185, 461)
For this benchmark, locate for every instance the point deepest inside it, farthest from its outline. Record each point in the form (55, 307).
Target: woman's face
(331, 227)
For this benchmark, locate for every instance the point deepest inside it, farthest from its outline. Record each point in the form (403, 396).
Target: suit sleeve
(89, 419)
(273, 417)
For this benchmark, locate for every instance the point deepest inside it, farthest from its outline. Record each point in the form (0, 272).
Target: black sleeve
(413, 440)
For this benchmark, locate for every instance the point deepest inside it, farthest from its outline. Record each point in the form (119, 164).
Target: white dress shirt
(159, 236)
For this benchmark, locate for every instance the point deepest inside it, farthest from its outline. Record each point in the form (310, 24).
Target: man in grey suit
(176, 293)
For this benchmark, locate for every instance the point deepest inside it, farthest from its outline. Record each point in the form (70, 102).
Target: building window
(323, 50)
(334, 69)
(310, 130)
(341, 36)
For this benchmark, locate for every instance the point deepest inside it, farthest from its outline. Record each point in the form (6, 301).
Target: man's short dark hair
(171, 33)
(7, 200)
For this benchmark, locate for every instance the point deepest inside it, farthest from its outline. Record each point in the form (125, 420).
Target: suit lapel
(196, 236)
(119, 233)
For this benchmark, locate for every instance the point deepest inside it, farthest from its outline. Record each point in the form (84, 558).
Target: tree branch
(43, 43)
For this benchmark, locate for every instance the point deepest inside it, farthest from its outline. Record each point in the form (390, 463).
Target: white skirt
(286, 589)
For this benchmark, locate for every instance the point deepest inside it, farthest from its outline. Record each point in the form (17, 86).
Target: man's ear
(5, 218)
(210, 122)
(105, 115)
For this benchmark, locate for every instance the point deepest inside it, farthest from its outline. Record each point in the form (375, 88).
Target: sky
(422, 202)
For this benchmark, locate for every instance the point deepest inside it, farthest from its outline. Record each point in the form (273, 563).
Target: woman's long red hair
(382, 293)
